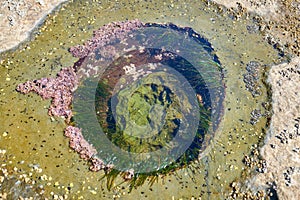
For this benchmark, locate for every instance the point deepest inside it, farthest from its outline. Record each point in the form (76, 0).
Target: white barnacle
(89, 66)
(147, 73)
(128, 56)
(158, 57)
(138, 73)
(141, 49)
(130, 69)
(152, 66)
(124, 42)
(130, 49)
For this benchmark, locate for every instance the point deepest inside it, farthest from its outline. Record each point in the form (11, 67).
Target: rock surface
(282, 144)
(266, 8)
(19, 17)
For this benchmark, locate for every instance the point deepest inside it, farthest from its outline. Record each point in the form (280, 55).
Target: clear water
(35, 144)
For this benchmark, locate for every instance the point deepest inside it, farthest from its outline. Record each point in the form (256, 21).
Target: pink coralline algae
(78, 143)
(97, 164)
(85, 150)
(60, 89)
(104, 35)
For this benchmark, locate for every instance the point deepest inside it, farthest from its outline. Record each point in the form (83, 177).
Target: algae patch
(28, 127)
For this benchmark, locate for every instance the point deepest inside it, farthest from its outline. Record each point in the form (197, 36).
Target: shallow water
(35, 144)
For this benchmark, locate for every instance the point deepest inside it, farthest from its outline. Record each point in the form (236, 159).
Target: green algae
(36, 139)
(138, 111)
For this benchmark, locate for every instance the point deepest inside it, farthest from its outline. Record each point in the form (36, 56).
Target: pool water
(38, 154)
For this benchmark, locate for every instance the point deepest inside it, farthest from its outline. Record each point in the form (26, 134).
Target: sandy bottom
(282, 145)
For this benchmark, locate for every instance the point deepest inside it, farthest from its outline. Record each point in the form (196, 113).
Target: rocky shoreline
(18, 18)
(282, 143)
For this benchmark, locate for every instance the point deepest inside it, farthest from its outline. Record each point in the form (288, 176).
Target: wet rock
(13, 188)
(255, 116)
(253, 28)
(289, 173)
(252, 77)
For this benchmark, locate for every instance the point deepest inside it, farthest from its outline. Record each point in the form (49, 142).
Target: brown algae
(36, 151)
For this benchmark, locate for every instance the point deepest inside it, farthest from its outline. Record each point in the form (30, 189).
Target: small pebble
(93, 191)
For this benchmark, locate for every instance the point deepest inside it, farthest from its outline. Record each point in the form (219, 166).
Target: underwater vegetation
(155, 112)
(113, 96)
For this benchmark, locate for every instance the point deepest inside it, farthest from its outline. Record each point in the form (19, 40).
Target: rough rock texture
(278, 20)
(265, 8)
(282, 145)
(285, 31)
(19, 17)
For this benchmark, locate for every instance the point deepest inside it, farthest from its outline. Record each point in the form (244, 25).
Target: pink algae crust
(103, 36)
(59, 89)
(85, 150)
